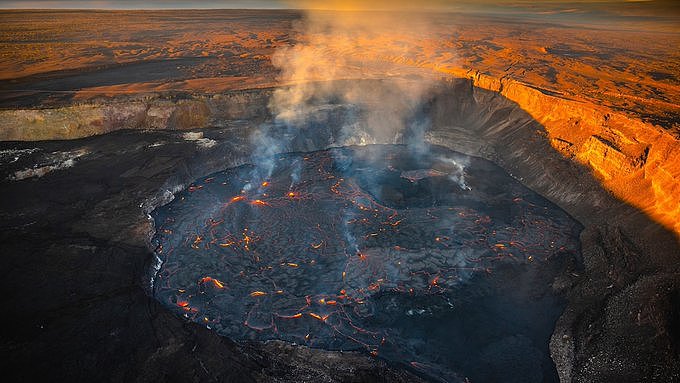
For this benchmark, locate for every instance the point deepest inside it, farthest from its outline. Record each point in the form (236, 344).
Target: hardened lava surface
(435, 260)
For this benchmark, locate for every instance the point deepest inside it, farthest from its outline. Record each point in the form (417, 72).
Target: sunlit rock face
(434, 260)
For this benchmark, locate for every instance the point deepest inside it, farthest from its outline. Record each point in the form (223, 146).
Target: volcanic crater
(464, 238)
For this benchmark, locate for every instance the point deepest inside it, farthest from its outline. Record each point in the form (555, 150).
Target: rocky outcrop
(152, 112)
(608, 160)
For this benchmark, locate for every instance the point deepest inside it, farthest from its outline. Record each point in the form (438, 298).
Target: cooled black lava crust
(435, 260)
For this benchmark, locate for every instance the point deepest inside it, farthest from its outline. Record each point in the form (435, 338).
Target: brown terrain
(630, 71)
(586, 115)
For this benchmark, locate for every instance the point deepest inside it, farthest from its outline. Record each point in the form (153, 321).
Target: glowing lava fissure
(438, 261)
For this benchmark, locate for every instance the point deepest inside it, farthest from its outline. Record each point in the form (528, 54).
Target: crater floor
(435, 260)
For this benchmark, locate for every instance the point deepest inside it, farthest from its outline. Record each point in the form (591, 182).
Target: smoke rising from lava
(336, 48)
(365, 61)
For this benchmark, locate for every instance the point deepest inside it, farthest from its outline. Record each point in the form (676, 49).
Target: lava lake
(434, 260)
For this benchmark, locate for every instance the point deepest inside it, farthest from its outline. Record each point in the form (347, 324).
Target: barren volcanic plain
(108, 116)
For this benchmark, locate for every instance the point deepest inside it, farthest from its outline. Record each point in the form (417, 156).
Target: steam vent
(327, 191)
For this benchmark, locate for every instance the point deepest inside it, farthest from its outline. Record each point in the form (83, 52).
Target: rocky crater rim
(636, 161)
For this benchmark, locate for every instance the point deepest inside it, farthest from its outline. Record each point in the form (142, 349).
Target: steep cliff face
(155, 112)
(638, 162)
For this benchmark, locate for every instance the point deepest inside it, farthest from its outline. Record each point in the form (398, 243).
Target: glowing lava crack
(439, 261)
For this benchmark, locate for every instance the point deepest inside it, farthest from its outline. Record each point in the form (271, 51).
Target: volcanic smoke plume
(343, 41)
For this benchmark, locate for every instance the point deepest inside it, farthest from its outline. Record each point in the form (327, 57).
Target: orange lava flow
(217, 283)
(237, 198)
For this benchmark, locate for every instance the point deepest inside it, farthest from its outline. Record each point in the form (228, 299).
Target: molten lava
(369, 248)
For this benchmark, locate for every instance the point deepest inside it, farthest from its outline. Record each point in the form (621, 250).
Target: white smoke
(456, 171)
(363, 58)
